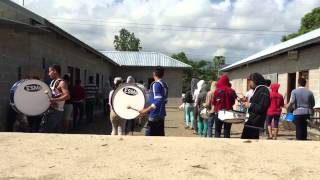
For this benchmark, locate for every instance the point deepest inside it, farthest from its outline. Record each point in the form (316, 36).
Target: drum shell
(231, 116)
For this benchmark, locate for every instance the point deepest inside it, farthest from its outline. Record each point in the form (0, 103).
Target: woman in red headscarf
(223, 99)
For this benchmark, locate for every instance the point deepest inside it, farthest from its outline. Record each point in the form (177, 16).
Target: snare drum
(127, 100)
(231, 116)
(30, 97)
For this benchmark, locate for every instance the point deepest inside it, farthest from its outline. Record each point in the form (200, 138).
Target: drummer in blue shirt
(157, 109)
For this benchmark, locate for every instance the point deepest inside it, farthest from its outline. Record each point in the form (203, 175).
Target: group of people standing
(69, 104)
(155, 111)
(263, 105)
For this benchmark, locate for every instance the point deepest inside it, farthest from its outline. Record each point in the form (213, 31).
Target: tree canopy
(126, 41)
(309, 22)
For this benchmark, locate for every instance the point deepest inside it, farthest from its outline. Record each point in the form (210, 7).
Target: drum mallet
(47, 93)
(129, 107)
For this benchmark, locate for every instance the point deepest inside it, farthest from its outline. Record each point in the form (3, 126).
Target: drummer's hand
(142, 111)
(247, 105)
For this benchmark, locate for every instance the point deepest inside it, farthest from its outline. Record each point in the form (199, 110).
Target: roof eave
(315, 40)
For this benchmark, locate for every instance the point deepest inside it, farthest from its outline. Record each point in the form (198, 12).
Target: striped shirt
(91, 91)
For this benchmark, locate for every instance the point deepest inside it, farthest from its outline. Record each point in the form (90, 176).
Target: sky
(202, 29)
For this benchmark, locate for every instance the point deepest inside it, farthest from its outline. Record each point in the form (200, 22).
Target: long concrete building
(30, 43)
(283, 63)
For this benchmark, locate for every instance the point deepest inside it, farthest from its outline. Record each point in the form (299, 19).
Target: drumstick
(47, 93)
(129, 107)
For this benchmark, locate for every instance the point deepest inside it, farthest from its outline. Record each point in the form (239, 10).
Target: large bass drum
(127, 100)
(30, 97)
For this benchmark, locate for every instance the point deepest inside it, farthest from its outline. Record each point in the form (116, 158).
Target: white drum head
(30, 97)
(128, 95)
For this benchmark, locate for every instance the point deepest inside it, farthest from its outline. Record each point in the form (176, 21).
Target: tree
(309, 22)
(126, 41)
(202, 69)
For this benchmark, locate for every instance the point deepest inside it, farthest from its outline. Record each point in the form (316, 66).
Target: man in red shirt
(78, 95)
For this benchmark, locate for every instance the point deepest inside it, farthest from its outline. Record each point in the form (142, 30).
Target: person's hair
(159, 72)
(117, 84)
(302, 82)
(90, 79)
(66, 77)
(268, 82)
(56, 67)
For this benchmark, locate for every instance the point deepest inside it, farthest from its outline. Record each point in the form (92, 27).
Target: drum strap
(53, 86)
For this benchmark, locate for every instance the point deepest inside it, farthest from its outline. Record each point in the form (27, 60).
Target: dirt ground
(89, 156)
(174, 126)
(41, 156)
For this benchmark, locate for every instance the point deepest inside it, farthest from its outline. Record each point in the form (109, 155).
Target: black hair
(56, 67)
(257, 78)
(268, 82)
(159, 72)
(66, 77)
(302, 82)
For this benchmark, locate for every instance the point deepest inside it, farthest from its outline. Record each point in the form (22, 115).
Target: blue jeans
(210, 124)
(189, 114)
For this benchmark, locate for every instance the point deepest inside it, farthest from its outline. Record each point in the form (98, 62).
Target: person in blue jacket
(157, 108)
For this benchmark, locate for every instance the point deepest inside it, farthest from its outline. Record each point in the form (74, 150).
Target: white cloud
(97, 21)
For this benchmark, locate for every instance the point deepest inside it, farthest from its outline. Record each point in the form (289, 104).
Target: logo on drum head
(130, 91)
(32, 87)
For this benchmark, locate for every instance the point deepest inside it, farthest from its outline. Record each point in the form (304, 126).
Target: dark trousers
(218, 128)
(211, 120)
(89, 109)
(77, 113)
(130, 125)
(155, 128)
(250, 133)
(301, 126)
(34, 123)
(195, 120)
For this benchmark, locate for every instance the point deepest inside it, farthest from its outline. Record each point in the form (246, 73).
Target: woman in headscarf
(210, 108)
(200, 105)
(223, 99)
(274, 111)
(196, 93)
(257, 107)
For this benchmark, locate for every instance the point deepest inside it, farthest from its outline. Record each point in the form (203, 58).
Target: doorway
(291, 85)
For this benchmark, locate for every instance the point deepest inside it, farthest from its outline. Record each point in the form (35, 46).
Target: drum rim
(120, 87)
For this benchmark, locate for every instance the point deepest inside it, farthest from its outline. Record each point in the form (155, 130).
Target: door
(291, 84)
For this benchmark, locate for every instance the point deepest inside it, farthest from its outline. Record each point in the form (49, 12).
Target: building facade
(284, 63)
(29, 44)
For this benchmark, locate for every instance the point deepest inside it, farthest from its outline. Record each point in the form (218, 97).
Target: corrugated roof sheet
(143, 59)
(303, 40)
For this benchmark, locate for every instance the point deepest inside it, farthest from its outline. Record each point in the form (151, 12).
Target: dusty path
(41, 156)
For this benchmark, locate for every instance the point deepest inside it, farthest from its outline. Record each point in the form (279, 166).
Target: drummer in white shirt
(60, 94)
